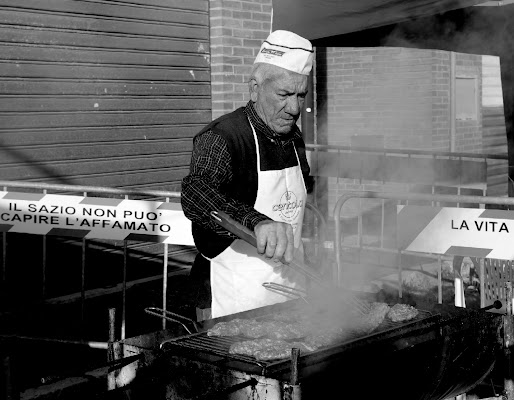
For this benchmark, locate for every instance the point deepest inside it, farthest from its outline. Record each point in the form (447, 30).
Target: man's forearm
(199, 199)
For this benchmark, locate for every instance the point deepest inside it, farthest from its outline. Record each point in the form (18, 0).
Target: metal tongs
(241, 231)
(248, 236)
(170, 316)
(286, 290)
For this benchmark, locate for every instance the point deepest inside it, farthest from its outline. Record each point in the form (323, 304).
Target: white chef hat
(287, 50)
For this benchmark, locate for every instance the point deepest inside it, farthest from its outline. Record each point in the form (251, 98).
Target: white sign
(457, 231)
(94, 217)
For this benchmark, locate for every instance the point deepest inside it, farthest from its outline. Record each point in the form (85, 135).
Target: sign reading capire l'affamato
(94, 217)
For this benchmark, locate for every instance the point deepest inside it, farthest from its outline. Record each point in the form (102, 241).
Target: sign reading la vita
(457, 231)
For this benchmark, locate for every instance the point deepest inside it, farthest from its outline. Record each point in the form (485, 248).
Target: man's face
(279, 101)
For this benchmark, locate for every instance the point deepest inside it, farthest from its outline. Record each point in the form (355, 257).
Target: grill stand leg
(292, 390)
(508, 383)
(508, 341)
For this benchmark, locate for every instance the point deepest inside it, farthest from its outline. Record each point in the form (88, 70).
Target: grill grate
(219, 345)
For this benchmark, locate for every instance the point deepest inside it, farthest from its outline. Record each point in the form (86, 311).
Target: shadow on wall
(17, 158)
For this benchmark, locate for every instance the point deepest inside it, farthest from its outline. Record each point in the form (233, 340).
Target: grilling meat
(230, 328)
(249, 347)
(273, 338)
(372, 319)
(275, 330)
(258, 329)
(402, 312)
(268, 349)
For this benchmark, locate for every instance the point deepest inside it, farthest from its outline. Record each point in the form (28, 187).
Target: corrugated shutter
(105, 93)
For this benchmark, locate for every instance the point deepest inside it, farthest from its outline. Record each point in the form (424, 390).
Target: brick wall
(402, 94)
(237, 31)
(398, 93)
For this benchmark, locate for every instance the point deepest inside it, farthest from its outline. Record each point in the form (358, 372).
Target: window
(466, 102)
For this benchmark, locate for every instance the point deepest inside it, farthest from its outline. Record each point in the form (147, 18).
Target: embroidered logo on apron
(289, 206)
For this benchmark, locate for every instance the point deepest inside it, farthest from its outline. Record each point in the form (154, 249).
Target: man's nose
(294, 105)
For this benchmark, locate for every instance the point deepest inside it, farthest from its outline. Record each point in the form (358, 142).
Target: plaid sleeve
(210, 169)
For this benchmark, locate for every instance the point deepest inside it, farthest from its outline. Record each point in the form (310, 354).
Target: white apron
(237, 274)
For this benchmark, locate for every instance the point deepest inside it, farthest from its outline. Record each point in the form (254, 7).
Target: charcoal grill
(443, 352)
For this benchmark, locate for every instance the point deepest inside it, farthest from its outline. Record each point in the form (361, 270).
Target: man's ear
(253, 87)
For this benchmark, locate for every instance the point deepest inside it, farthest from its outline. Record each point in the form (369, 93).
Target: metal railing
(422, 171)
(406, 197)
(88, 191)
(431, 153)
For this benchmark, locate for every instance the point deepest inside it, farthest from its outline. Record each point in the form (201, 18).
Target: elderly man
(251, 164)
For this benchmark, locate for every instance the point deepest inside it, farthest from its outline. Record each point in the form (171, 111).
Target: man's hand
(275, 240)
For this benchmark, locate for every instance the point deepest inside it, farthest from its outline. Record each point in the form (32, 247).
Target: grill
(443, 352)
(215, 348)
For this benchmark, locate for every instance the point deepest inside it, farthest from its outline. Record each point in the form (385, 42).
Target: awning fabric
(315, 19)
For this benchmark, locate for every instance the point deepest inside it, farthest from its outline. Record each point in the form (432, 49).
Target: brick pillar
(237, 31)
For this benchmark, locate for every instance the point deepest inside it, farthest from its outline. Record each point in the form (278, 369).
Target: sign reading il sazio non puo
(469, 232)
(94, 217)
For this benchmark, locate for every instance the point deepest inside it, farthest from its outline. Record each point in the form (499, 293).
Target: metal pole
(453, 104)
(400, 280)
(440, 281)
(124, 289)
(164, 285)
(165, 281)
(83, 279)
(458, 283)
(111, 377)
(482, 282)
(83, 282)
(43, 272)
(382, 225)
(359, 231)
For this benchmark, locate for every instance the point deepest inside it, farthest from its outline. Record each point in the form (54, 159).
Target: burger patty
(402, 312)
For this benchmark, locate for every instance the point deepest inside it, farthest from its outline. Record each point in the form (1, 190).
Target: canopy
(315, 19)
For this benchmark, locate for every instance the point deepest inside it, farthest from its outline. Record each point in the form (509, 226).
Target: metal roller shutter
(105, 93)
